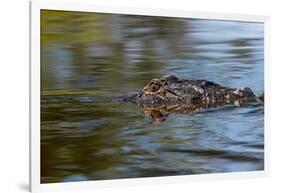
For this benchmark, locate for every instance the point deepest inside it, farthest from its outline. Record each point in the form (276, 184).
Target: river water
(88, 58)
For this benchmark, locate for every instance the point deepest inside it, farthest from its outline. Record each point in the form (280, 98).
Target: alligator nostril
(139, 95)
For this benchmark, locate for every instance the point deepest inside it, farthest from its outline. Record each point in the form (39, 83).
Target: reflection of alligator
(170, 94)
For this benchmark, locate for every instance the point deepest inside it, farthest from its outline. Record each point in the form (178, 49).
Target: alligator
(172, 95)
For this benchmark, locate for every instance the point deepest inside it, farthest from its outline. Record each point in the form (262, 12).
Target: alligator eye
(154, 87)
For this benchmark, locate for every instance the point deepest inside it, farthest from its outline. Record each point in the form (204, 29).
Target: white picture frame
(36, 6)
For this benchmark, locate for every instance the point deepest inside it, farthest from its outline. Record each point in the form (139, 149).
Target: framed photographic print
(123, 95)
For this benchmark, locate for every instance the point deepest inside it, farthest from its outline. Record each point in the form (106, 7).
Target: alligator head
(168, 90)
(171, 95)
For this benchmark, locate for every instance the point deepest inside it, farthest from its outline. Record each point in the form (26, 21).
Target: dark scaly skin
(170, 94)
(172, 90)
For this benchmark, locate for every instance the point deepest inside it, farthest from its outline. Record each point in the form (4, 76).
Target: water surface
(88, 58)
